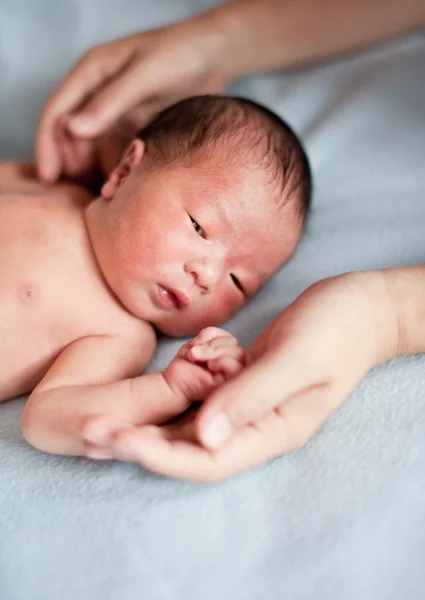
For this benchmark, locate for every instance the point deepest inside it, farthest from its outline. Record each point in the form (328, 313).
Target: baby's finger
(184, 350)
(206, 352)
(221, 342)
(229, 366)
(210, 333)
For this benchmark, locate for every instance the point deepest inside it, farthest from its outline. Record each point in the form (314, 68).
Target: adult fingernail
(217, 431)
(46, 173)
(98, 438)
(82, 124)
(96, 433)
(98, 453)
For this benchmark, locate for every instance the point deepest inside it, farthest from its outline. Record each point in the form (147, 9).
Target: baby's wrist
(171, 387)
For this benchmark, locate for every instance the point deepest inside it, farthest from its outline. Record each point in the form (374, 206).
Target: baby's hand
(198, 368)
(205, 362)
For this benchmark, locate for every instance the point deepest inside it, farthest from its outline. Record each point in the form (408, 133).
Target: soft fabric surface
(342, 518)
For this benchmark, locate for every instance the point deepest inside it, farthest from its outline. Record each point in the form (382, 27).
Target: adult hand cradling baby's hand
(127, 80)
(299, 371)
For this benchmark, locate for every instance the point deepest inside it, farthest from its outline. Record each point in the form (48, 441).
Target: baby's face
(184, 248)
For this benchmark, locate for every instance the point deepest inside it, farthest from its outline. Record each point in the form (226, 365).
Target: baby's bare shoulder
(21, 178)
(135, 338)
(18, 169)
(136, 331)
(15, 176)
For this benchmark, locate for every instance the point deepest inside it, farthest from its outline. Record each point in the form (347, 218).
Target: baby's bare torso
(51, 292)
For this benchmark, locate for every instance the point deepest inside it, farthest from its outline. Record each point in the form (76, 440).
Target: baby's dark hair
(236, 127)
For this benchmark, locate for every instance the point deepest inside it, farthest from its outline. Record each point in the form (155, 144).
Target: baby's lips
(171, 297)
(182, 297)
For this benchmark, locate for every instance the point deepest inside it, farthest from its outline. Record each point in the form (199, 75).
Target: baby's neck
(89, 217)
(91, 222)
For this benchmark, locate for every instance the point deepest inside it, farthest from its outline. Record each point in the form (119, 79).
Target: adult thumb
(246, 398)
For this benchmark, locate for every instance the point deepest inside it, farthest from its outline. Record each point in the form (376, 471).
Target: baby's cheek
(224, 304)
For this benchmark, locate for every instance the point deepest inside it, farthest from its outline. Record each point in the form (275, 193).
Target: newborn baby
(205, 205)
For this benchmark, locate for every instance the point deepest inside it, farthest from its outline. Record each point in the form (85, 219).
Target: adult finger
(135, 84)
(97, 453)
(175, 453)
(212, 333)
(98, 429)
(90, 73)
(80, 84)
(257, 390)
(154, 449)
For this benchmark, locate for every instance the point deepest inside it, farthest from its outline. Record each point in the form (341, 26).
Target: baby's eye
(237, 283)
(197, 227)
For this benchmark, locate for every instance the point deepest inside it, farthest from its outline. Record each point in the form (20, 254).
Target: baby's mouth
(171, 298)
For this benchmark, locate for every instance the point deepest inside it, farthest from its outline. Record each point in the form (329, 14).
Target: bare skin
(84, 282)
(45, 256)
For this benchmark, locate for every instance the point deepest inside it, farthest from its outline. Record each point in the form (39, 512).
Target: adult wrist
(375, 306)
(226, 36)
(406, 289)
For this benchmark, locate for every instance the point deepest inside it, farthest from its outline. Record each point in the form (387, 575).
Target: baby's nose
(205, 272)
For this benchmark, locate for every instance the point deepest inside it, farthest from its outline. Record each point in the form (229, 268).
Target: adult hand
(126, 81)
(300, 370)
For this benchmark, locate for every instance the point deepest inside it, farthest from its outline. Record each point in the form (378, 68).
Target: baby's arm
(93, 376)
(199, 367)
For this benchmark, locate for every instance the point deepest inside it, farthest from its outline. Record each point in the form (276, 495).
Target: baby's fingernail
(217, 431)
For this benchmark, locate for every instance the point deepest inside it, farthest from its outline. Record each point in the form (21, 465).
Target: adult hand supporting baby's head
(130, 80)
(300, 370)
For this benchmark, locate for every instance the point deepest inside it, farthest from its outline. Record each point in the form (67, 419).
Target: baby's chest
(46, 290)
(36, 291)
(50, 287)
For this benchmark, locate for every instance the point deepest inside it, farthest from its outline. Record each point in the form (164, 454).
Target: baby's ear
(129, 162)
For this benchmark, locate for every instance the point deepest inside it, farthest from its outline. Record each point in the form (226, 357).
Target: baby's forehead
(259, 232)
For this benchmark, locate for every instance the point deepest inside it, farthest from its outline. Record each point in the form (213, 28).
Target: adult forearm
(268, 34)
(53, 419)
(406, 286)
